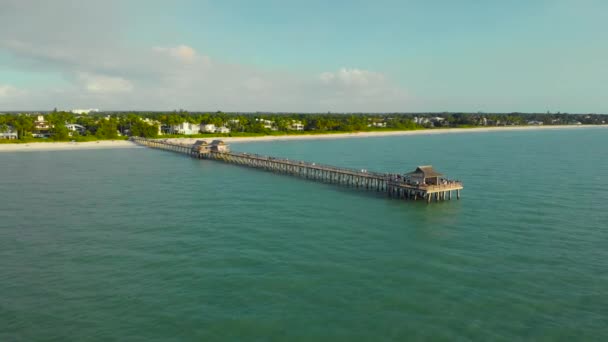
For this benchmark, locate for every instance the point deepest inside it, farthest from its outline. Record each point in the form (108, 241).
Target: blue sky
(354, 56)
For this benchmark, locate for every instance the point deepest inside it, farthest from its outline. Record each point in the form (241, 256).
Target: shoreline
(67, 146)
(112, 144)
(430, 131)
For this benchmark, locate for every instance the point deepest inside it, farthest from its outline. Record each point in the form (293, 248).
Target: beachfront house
(222, 130)
(296, 125)
(208, 128)
(535, 123)
(424, 175)
(421, 120)
(41, 127)
(7, 132)
(267, 124)
(8, 135)
(75, 128)
(186, 128)
(211, 128)
(377, 124)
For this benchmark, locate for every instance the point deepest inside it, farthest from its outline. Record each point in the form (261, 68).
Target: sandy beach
(384, 134)
(53, 146)
(60, 146)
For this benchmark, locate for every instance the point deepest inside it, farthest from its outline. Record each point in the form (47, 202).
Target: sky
(305, 56)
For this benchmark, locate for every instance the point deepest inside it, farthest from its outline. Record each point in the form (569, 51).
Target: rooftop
(426, 170)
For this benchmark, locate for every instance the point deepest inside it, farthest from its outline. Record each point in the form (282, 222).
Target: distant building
(7, 132)
(377, 124)
(208, 128)
(296, 125)
(186, 128)
(8, 135)
(40, 123)
(75, 128)
(268, 124)
(41, 127)
(421, 121)
(223, 130)
(535, 123)
(84, 111)
(211, 128)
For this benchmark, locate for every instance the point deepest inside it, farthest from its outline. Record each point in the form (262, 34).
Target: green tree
(23, 124)
(143, 129)
(107, 129)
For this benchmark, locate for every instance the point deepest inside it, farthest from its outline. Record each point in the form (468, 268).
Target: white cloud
(103, 71)
(8, 91)
(183, 53)
(352, 77)
(104, 84)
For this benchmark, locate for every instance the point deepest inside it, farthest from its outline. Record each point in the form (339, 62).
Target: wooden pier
(422, 184)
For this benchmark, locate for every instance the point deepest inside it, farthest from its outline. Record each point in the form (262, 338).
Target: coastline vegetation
(67, 126)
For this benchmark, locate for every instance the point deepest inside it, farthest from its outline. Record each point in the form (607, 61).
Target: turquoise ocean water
(143, 245)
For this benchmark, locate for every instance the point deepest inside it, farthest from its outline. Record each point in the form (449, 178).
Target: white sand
(58, 146)
(49, 146)
(382, 134)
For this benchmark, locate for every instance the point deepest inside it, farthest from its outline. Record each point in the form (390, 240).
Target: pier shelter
(219, 146)
(424, 175)
(200, 146)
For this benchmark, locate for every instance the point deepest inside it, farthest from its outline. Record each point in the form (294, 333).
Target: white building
(75, 128)
(421, 121)
(211, 128)
(296, 125)
(268, 124)
(377, 124)
(84, 111)
(208, 128)
(41, 123)
(8, 135)
(535, 123)
(223, 130)
(186, 128)
(6, 132)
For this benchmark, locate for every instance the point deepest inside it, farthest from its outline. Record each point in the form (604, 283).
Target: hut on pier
(424, 175)
(219, 146)
(200, 146)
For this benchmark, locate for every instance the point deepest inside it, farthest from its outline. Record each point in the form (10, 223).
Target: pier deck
(409, 186)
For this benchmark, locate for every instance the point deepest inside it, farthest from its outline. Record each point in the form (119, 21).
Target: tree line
(149, 124)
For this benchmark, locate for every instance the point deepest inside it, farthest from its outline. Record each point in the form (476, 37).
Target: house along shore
(111, 144)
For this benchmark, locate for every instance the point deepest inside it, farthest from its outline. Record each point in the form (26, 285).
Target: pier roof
(426, 170)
